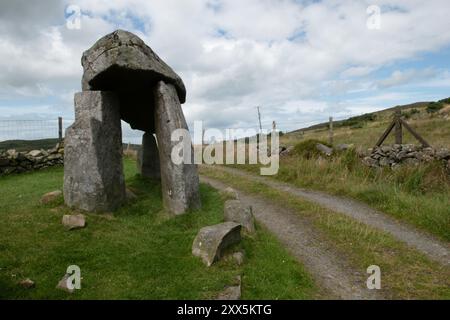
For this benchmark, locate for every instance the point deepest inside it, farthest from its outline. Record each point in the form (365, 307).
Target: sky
(300, 61)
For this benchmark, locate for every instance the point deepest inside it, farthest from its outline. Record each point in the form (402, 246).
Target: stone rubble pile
(12, 161)
(409, 154)
(213, 243)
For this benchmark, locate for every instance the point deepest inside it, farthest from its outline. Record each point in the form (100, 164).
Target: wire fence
(32, 129)
(39, 129)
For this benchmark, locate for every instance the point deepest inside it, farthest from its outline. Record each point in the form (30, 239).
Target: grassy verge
(139, 253)
(406, 274)
(417, 195)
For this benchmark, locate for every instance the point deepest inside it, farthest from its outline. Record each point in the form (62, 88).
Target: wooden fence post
(398, 128)
(60, 128)
(330, 132)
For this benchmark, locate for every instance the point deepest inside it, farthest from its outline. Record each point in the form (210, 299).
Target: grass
(419, 196)
(406, 274)
(364, 131)
(139, 253)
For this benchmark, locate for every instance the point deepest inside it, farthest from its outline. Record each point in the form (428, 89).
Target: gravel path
(426, 244)
(330, 271)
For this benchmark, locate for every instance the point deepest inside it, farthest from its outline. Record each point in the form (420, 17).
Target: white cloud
(399, 77)
(285, 55)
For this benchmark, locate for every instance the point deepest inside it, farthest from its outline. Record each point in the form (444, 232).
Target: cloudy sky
(300, 60)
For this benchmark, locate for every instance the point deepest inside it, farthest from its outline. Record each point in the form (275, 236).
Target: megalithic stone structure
(93, 169)
(125, 80)
(180, 182)
(148, 157)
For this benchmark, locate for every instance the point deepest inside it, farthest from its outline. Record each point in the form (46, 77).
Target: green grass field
(139, 253)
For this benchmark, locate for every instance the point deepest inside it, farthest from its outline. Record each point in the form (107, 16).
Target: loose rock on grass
(211, 242)
(27, 283)
(231, 292)
(62, 284)
(74, 221)
(235, 211)
(51, 196)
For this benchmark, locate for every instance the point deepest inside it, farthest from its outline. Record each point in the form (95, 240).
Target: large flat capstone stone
(123, 63)
(93, 169)
(211, 242)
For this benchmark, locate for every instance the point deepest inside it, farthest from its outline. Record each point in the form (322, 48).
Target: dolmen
(125, 80)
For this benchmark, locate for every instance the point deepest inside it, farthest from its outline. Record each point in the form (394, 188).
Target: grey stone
(211, 242)
(93, 169)
(148, 157)
(39, 159)
(35, 153)
(235, 211)
(442, 154)
(11, 153)
(324, 149)
(386, 149)
(344, 146)
(230, 192)
(51, 196)
(411, 161)
(4, 162)
(428, 151)
(376, 156)
(180, 182)
(287, 151)
(412, 154)
(54, 156)
(27, 283)
(9, 170)
(385, 162)
(238, 257)
(72, 222)
(231, 292)
(402, 155)
(368, 161)
(62, 284)
(122, 62)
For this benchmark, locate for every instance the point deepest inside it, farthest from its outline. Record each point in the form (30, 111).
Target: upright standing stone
(148, 157)
(180, 183)
(93, 170)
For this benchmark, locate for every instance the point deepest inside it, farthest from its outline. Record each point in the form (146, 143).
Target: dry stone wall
(391, 156)
(12, 161)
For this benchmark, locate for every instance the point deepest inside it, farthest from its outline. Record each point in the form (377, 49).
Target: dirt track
(426, 244)
(331, 271)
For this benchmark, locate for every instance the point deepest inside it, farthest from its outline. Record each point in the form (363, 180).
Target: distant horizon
(300, 61)
(135, 136)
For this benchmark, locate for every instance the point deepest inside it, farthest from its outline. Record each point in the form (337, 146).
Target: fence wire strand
(31, 129)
